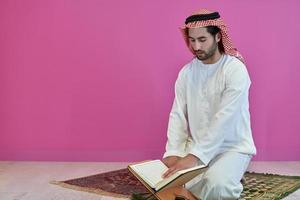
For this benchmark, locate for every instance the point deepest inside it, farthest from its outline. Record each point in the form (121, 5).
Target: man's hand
(171, 160)
(184, 163)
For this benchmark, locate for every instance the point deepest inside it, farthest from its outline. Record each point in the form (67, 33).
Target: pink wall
(93, 79)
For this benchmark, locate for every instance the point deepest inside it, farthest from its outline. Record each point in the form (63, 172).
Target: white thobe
(210, 113)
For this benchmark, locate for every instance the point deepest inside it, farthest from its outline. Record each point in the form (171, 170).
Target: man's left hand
(184, 163)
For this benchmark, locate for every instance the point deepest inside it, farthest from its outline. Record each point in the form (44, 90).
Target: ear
(218, 37)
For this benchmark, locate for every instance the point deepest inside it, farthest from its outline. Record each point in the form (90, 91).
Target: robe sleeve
(178, 126)
(234, 97)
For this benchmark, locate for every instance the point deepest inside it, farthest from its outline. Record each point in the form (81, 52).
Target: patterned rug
(121, 183)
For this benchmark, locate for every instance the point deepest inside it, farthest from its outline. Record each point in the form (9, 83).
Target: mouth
(200, 52)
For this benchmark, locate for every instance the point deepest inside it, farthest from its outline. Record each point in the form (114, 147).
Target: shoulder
(236, 73)
(187, 68)
(233, 65)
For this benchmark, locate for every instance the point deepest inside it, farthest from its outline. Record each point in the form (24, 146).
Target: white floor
(30, 180)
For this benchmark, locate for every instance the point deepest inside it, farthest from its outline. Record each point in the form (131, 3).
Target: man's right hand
(170, 160)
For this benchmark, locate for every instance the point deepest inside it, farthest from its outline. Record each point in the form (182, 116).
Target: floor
(30, 180)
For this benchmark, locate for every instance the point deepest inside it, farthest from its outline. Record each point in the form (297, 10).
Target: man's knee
(213, 187)
(218, 188)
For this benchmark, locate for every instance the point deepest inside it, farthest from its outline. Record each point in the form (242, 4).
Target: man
(210, 122)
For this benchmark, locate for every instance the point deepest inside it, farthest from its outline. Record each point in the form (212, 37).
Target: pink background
(92, 80)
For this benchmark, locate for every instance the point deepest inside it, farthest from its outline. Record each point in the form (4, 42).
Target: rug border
(271, 174)
(285, 194)
(105, 193)
(90, 190)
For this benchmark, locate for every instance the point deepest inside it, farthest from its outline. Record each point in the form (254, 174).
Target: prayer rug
(121, 183)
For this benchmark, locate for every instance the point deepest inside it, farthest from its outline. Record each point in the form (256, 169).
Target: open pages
(151, 172)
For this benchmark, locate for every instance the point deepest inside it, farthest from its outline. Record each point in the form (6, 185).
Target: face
(203, 43)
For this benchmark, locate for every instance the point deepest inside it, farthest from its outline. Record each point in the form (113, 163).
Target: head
(205, 41)
(211, 26)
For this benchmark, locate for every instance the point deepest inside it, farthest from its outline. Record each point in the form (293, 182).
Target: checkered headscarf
(204, 18)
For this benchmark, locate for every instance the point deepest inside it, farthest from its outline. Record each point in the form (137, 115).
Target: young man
(210, 122)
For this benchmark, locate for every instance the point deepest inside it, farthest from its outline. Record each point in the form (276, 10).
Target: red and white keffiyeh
(225, 39)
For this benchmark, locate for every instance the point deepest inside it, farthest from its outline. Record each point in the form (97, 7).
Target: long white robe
(210, 113)
(210, 119)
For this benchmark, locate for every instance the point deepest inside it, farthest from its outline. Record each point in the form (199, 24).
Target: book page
(150, 171)
(192, 170)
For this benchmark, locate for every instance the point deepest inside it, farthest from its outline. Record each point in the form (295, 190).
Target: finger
(167, 172)
(170, 172)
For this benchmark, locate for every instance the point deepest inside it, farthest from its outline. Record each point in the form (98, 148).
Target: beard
(204, 55)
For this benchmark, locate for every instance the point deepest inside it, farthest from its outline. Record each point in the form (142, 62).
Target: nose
(196, 46)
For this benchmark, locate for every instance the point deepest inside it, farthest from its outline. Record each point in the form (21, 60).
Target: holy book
(150, 174)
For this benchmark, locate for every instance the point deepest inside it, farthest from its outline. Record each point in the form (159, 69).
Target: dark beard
(210, 52)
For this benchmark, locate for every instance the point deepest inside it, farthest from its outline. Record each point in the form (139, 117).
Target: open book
(150, 174)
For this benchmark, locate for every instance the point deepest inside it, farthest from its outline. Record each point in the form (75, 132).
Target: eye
(202, 40)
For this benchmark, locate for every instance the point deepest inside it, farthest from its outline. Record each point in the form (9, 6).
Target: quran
(150, 173)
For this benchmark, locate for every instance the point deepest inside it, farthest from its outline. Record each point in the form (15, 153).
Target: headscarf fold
(204, 18)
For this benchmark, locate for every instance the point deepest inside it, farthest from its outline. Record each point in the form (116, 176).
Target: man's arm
(178, 126)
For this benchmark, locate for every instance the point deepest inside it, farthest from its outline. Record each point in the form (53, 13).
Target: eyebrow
(199, 38)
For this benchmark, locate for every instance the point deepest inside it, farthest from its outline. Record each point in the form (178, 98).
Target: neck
(214, 58)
